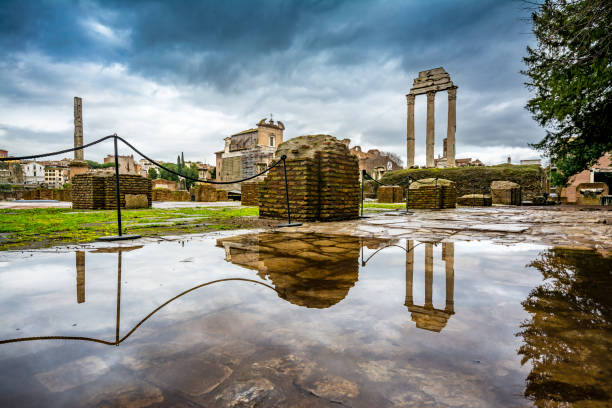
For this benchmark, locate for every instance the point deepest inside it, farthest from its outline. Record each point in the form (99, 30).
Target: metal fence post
(289, 223)
(117, 188)
(119, 236)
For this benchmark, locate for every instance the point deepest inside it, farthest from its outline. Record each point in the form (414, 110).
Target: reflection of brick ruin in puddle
(427, 317)
(323, 179)
(311, 270)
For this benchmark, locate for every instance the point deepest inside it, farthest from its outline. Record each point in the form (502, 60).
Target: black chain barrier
(365, 175)
(115, 137)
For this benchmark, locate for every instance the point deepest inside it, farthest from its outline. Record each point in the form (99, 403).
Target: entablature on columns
(432, 80)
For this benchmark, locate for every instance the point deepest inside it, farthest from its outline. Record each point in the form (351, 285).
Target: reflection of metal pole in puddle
(118, 297)
(80, 277)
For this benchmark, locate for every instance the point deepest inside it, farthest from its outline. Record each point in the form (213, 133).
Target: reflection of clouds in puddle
(337, 313)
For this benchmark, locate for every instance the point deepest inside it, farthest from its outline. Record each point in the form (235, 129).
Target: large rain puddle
(305, 321)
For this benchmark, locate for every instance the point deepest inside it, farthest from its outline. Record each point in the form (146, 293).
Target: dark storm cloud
(300, 48)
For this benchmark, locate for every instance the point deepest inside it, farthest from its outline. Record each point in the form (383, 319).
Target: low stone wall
(207, 193)
(475, 200)
(164, 194)
(424, 194)
(97, 191)
(533, 179)
(323, 180)
(505, 192)
(250, 194)
(390, 194)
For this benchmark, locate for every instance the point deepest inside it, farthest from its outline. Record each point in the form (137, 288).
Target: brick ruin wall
(250, 194)
(475, 200)
(164, 194)
(390, 194)
(430, 197)
(91, 191)
(505, 192)
(323, 180)
(207, 193)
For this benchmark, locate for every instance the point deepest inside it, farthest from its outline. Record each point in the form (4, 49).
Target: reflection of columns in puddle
(409, 271)
(427, 317)
(448, 254)
(428, 274)
(80, 278)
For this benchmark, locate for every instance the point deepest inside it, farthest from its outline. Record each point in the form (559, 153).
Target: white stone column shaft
(410, 131)
(430, 141)
(452, 125)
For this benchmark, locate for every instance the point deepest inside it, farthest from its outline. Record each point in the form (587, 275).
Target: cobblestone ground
(578, 228)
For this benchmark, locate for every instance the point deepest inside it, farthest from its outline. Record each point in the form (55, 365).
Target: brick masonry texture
(164, 194)
(48, 194)
(428, 196)
(475, 200)
(207, 193)
(390, 194)
(250, 194)
(93, 191)
(323, 179)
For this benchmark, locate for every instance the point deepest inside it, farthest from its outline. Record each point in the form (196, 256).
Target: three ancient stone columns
(429, 82)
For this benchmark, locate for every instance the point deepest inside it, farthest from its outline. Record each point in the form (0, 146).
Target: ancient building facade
(375, 162)
(127, 164)
(428, 83)
(248, 152)
(33, 172)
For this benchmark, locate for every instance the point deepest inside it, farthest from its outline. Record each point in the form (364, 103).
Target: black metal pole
(117, 328)
(408, 195)
(117, 191)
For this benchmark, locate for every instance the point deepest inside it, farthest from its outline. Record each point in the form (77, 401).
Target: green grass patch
(30, 228)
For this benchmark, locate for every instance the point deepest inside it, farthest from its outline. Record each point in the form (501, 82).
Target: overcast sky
(181, 76)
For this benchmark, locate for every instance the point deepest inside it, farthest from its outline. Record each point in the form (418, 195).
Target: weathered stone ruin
(250, 193)
(390, 194)
(431, 194)
(505, 192)
(136, 201)
(475, 200)
(207, 193)
(323, 179)
(429, 82)
(590, 193)
(97, 191)
(165, 194)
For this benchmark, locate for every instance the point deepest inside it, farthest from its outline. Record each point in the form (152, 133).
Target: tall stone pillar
(80, 278)
(449, 259)
(78, 127)
(410, 131)
(409, 272)
(429, 275)
(452, 126)
(430, 141)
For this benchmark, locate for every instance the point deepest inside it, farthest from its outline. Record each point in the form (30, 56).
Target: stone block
(390, 194)
(97, 191)
(590, 193)
(505, 192)
(136, 201)
(250, 194)
(475, 200)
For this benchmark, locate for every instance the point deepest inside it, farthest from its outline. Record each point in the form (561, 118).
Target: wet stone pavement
(306, 319)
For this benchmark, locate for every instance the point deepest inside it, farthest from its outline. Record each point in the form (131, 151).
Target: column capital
(431, 95)
(410, 99)
(452, 93)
